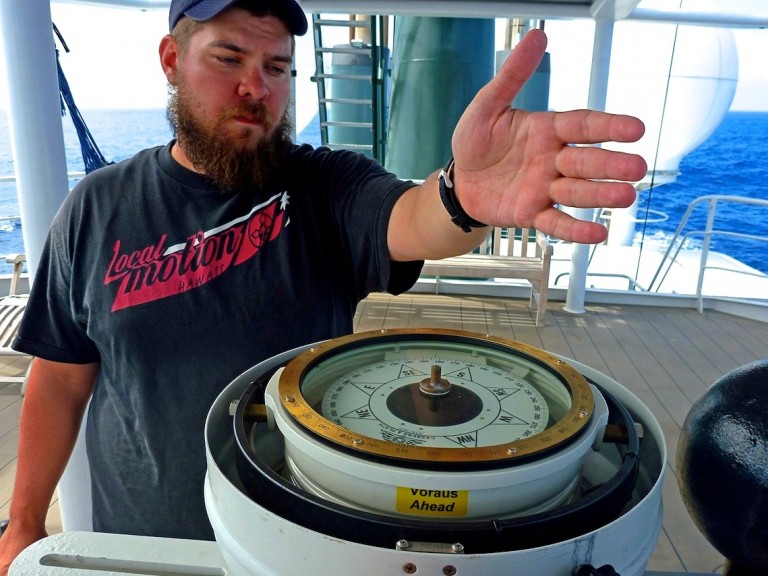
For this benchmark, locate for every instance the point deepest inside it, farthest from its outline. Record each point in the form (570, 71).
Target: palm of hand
(513, 168)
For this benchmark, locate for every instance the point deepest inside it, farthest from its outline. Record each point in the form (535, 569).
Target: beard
(231, 163)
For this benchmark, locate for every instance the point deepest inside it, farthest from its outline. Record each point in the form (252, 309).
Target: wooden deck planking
(718, 350)
(666, 357)
(739, 341)
(675, 350)
(661, 371)
(10, 406)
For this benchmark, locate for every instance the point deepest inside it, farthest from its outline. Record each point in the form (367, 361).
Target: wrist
(451, 202)
(27, 519)
(14, 530)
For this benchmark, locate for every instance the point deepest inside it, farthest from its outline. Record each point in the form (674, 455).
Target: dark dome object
(722, 462)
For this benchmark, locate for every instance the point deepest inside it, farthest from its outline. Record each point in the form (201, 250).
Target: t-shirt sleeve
(362, 196)
(395, 277)
(50, 328)
(403, 275)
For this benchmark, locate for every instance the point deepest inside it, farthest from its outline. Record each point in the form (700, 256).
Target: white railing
(15, 217)
(679, 240)
(11, 179)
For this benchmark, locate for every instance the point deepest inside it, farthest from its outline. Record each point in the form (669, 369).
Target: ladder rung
(346, 23)
(343, 76)
(347, 124)
(366, 50)
(346, 101)
(372, 81)
(349, 146)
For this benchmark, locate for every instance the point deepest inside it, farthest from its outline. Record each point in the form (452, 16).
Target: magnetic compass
(437, 402)
(380, 431)
(436, 396)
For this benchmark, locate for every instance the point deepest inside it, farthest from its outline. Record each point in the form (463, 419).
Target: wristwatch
(451, 203)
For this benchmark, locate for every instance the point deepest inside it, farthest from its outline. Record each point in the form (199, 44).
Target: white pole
(598, 89)
(37, 141)
(34, 114)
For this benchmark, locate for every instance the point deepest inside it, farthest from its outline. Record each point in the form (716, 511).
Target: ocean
(732, 161)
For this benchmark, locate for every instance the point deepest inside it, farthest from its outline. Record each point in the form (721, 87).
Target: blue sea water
(734, 161)
(118, 133)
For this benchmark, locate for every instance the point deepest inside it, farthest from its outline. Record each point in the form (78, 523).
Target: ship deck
(667, 357)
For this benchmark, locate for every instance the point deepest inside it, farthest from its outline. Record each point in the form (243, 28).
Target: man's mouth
(253, 120)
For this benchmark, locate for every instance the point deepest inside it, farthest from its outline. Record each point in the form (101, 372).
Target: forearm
(50, 419)
(421, 228)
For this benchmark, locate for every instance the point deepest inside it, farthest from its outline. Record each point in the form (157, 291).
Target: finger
(600, 164)
(557, 223)
(578, 193)
(593, 127)
(515, 72)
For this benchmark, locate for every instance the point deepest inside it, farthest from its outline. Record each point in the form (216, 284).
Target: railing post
(598, 89)
(711, 211)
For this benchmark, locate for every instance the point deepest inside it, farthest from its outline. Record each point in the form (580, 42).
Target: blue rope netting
(92, 156)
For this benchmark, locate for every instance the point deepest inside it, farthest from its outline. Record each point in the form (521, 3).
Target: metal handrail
(70, 176)
(12, 179)
(679, 239)
(632, 284)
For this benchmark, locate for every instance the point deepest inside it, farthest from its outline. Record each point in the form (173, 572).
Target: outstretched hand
(513, 167)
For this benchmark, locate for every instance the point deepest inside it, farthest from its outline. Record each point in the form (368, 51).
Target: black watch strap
(451, 203)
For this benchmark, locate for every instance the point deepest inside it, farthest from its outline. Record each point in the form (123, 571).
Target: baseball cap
(288, 11)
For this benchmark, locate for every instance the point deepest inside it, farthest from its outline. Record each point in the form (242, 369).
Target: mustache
(254, 111)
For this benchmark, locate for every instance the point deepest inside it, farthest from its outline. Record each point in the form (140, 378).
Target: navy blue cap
(288, 11)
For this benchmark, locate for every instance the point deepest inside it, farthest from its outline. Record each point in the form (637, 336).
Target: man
(169, 274)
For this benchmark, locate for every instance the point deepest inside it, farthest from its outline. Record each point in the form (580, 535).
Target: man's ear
(169, 58)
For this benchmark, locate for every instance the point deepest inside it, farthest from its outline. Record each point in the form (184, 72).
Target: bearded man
(167, 275)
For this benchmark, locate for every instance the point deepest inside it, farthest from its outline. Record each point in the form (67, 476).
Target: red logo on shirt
(160, 271)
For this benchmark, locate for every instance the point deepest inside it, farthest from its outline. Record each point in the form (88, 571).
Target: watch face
(428, 395)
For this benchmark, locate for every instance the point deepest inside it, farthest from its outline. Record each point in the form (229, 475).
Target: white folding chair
(11, 310)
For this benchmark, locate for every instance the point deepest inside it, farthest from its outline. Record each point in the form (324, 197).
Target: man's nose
(254, 84)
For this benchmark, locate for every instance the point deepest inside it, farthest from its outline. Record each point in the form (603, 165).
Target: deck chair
(11, 310)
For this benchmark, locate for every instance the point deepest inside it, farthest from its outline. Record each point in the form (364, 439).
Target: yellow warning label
(420, 502)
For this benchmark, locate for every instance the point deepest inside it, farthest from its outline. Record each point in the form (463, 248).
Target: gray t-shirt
(176, 289)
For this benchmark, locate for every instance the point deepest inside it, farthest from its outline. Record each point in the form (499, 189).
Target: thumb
(519, 66)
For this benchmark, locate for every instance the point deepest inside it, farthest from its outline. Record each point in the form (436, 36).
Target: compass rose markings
(366, 387)
(504, 393)
(510, 407)
(507, 419)
(407, 371)
(361, 413)
(465, 373)
(464, 440)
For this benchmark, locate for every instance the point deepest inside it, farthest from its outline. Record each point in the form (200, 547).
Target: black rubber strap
(451, 203)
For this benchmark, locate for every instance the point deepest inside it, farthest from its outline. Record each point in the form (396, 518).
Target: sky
(113, 61)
